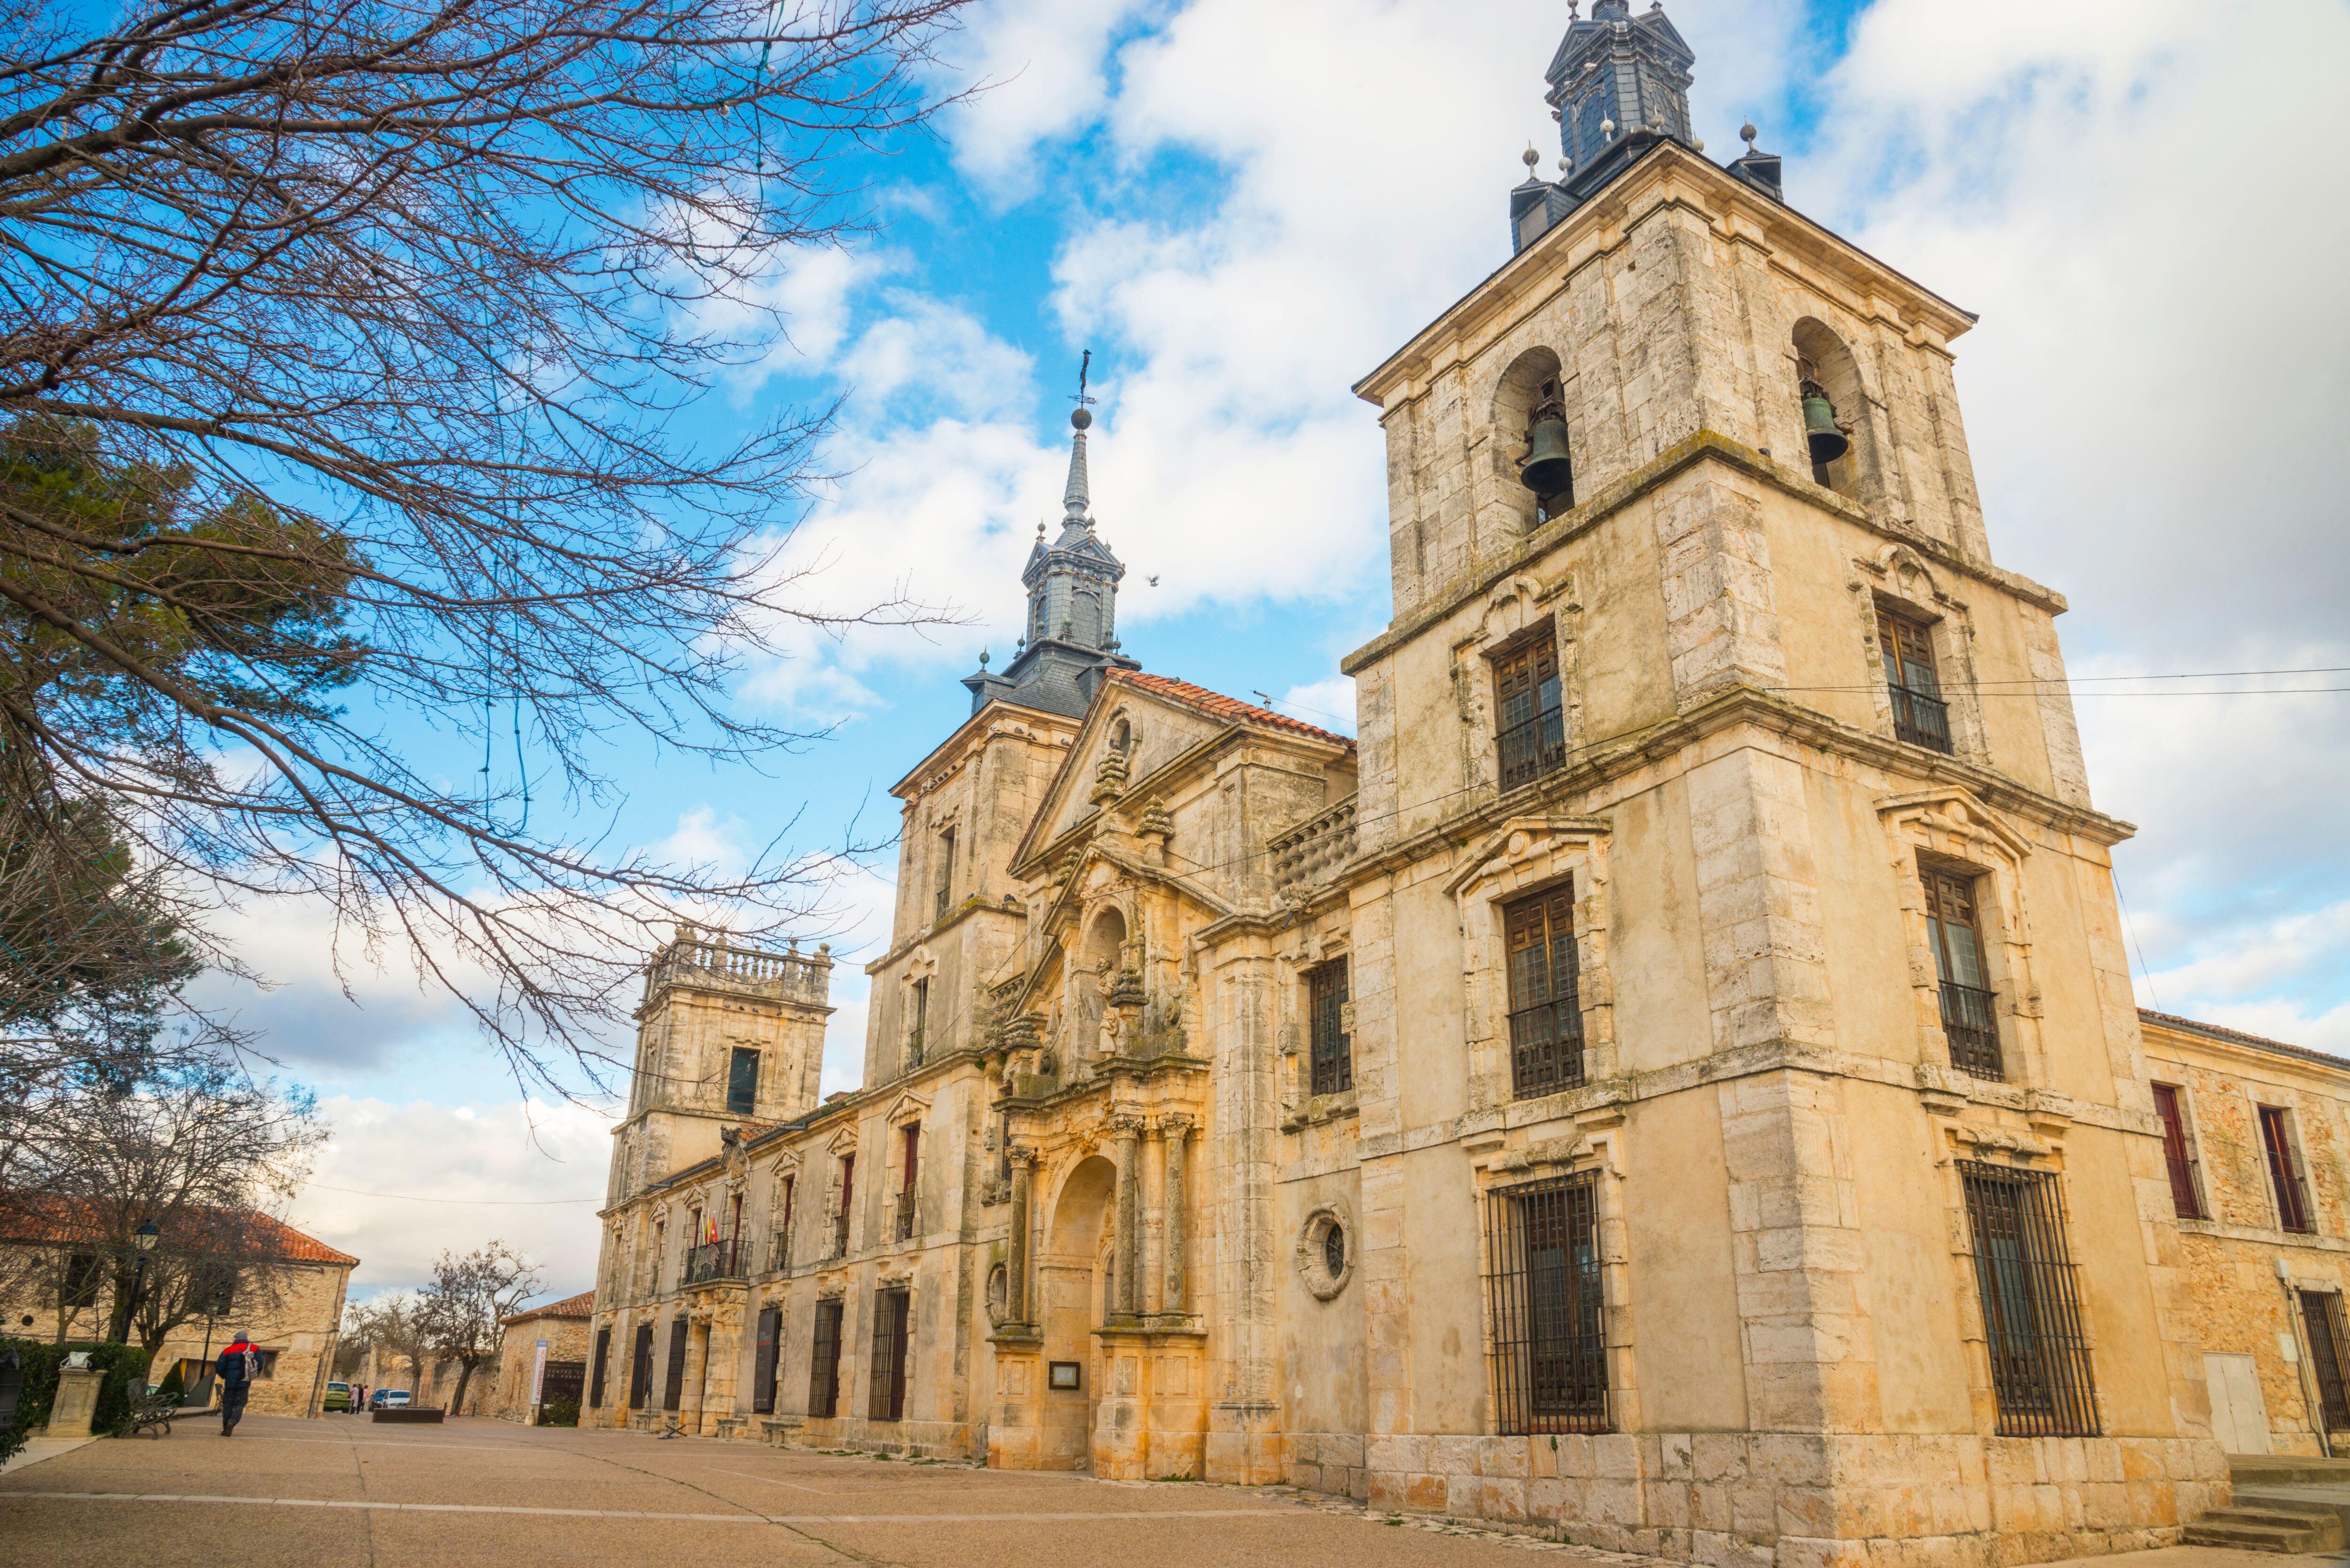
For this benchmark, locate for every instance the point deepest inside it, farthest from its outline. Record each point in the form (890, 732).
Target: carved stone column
(1128, 1131)
(1176, 1130)
(1024, 1164)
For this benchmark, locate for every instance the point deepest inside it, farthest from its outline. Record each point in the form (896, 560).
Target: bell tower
(728, 1035)
(1735, 961)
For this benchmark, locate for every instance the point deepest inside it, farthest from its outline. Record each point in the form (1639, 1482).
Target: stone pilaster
(1127, 1131)
(1176, 1132)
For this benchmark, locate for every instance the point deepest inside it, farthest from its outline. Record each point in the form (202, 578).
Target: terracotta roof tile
(1221, 706)
(33, 1216)
(581, 1305)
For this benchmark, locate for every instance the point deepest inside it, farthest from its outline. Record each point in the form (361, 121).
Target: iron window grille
(2178, 1154)
(742, 1083)
(1331, 1054)
(1920, 717)
(921, 1007)
(1530, 714)
(886, 1399)
(824, 1361)
(640, 1367)
(710, 1261)
(848, 1205)
(603, 1356)
(2040, 1369)
(2284, 1172)
(673, 1389)
(905, 1215)
(1548, 1359)
(942, 893)
(2321, 1318)
(1545, 1003)
(1969, 1011)
(762, 1366)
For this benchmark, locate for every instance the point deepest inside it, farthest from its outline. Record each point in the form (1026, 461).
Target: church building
(1673, 1081)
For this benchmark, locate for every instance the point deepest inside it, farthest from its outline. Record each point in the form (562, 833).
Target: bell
(1546, 470)
(1827, 442)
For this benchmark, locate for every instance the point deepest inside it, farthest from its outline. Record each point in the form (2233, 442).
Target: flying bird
(1154, 582)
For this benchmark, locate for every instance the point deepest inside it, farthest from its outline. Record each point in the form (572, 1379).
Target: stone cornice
(968, 734)
(1667, 178)
(1705, 446)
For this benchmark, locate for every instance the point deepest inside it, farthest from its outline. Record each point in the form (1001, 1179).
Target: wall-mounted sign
(1062, 1375)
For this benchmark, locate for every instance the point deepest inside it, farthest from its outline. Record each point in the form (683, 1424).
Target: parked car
(338, 1396)
(387, 1400)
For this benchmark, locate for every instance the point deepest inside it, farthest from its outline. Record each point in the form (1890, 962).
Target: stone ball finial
(1748, 131)
(1082, 418)
(1606, 128)
(1530, 158)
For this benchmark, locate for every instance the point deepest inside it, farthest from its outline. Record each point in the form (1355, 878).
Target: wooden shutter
(762, 1375)
(1545, 1009)
(673, 1390)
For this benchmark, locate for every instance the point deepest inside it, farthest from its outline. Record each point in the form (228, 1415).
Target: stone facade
(289, 1298)
(1221, 1117)
(564, 1325)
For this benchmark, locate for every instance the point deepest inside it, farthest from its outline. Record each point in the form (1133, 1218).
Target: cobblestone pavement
(340, 1492)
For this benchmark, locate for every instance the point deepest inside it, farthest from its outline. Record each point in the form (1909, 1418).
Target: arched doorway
(1069, 1286)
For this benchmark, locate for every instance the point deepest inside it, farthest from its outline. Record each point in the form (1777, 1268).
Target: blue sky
(1242, 209)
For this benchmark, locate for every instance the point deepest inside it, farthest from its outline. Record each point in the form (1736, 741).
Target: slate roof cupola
(1072, 632)
(1619, 85)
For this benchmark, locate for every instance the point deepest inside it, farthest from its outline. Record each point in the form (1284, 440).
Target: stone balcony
(1313, 851)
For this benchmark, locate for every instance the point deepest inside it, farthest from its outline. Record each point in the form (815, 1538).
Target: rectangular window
(847, 1203)
(603, 1355)
(2285, 1171)
(1920, 717)
(906, 1192)
(2031, 1305)
(1549, 1353)
(783, 1225)
(2321, 1319)
(2185, 1192)
(763, 1367)
(640, 1367)
(673, 1386)
(1332, 1054)
(918, 1021)
(1969, 1019)
(824, 1362)
(742, 1083)
(1531, 720)
(1546, 1009)
(942, 876)
(82, 1276)
(887, 1400)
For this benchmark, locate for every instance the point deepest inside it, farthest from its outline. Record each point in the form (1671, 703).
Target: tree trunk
(464, 1375)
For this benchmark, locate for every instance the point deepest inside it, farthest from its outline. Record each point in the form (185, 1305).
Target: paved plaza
(321, 1494)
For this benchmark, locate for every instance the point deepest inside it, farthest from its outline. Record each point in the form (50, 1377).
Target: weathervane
(1084, 365)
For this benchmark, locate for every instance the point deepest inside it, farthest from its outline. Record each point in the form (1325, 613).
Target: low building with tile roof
(542, 1360)
(234, 1270)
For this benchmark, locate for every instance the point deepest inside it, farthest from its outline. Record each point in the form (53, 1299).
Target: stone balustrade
(1309, 851)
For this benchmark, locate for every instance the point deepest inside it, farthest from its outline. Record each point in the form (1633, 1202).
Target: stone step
(2269, 1527)
(2287, 1469)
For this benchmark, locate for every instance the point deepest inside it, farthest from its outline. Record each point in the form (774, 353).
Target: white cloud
(1329, 704)
(462, 1176)
(1042, 66)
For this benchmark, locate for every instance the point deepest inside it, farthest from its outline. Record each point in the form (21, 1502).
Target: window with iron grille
(640, 1367)
(603, 1355)
(1546, 1009)
(2285, 1171)
(783, 1255)
(742, 1083)
(673, 1387)
(918, 1021)
(1969, 1018)
(2040, 1369)
(763, 1366)
(847, 1205)
(1548, 1360)
(1330, 1054)
(912, 1174)
(2321, 1319)
(2177, 1153)
(885, 1401)
(1920, 717)
(942, 890)
(1531, 721)
(824, 1361)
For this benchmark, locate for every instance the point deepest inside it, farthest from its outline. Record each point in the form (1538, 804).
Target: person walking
(239, 1364)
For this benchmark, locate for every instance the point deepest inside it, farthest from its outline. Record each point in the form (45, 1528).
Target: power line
(412, 1198)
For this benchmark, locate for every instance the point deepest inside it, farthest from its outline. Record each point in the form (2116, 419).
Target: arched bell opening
(1828, 390)
(1530, 439)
